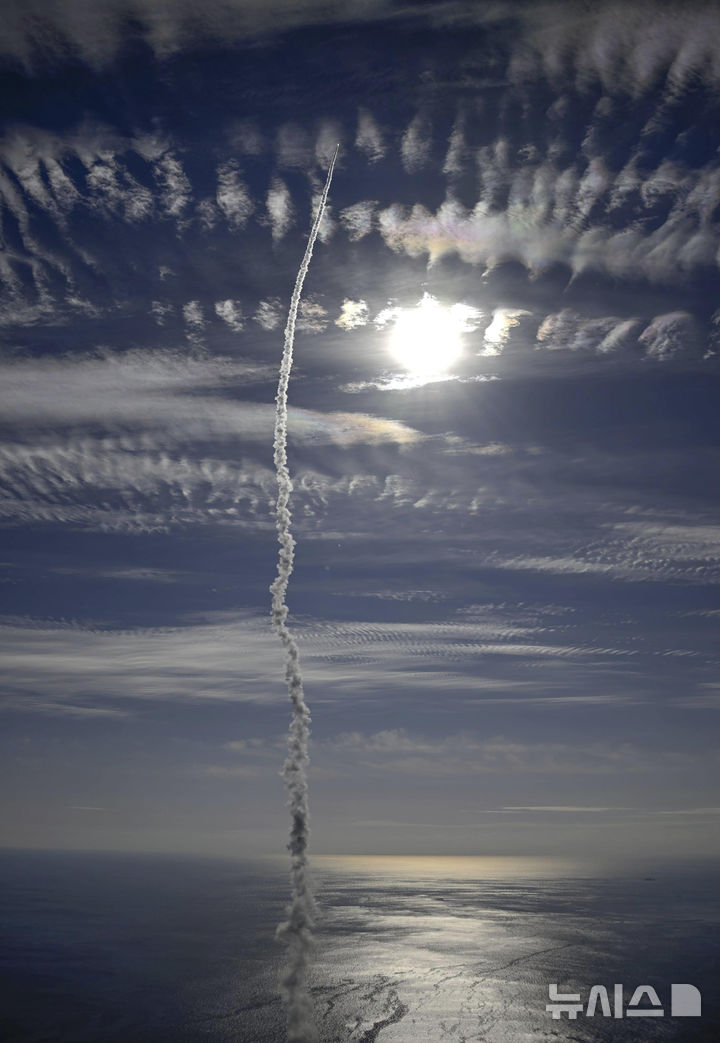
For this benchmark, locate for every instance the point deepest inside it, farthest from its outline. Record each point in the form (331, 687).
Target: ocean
(104, 948)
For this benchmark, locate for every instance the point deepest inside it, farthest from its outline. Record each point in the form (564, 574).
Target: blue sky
(507, 571)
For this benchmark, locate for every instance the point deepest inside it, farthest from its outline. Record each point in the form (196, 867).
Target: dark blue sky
(507, 564)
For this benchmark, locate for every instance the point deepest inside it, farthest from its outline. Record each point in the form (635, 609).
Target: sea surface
(101, 948)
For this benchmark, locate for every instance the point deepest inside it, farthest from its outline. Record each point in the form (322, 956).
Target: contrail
(297, 930)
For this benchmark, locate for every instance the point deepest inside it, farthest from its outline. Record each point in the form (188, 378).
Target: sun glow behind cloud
(427, 339)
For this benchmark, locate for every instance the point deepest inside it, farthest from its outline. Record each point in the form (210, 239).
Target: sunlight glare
(426, 339)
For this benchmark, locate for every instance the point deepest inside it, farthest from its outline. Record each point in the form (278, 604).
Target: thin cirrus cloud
(280, 208)
(233, 197)
(613, 48)
(159, 390)
(402, 752)
(416, 144)
(231, 313)
(369, 138)
(157, 465)
(269, 314)
(353, 314)
(634, 552)
(131, 440)
(358, 219)
(200, 662)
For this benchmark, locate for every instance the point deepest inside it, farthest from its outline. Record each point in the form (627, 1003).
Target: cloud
(279, 208)
(175, 190)
(193, 315)
(568, 331)
(352, 314)
(458, 154)
(399, 751)
(636, 551)
(125, 573)
(293, 148)
(674, 335)
(624, 48)
(691, 543)
(269, 314)
(632, 812)
(328, 225)
(465, 317)
(131, 442)
(330, 134)
(246, 138)
(240, 745)
(570, 808)
(234, 660)
(231, 314)
(51, 391)
(607, 44)
(160, 391)
(369, 138)
(622, 337)
(416, 144)
(111, 486)
(99, 669)
(69, 661)
(312, 316)
(38, 30)
(497, 334)
(160, 311)
(207, 214)
(535, 211)
(233, 197)
(358, 219)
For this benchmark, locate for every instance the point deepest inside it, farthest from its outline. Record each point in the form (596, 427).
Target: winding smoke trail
(297, 930)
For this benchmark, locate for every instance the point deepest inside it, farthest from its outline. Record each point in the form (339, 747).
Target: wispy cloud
(161, 310)
(279, 208)
(175, 189)
(570, 808)
(313, 316)
(148, 456)
(330, 134)
(416, 144)
(231, 314)
(369, 138)
(611, 46)
(483, 236)
(671, 336)
(193, 315)
(232, 659)
(293, 147)
(269, 314)
(352, 314)
(497, 334)
(399, 751)
(358, 219)
(233, 197)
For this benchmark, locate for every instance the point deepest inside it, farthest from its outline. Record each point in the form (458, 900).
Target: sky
(503, 424)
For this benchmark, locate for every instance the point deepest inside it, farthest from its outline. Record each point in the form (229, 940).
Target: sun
(426, 339)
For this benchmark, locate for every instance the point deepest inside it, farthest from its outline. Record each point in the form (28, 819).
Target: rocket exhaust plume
(296, 932)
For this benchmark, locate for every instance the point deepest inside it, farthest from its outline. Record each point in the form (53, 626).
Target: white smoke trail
(297, 930)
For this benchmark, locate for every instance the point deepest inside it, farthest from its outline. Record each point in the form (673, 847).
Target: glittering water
(109, 948)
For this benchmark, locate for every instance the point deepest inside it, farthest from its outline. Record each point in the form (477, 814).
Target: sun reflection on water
(453, 867)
